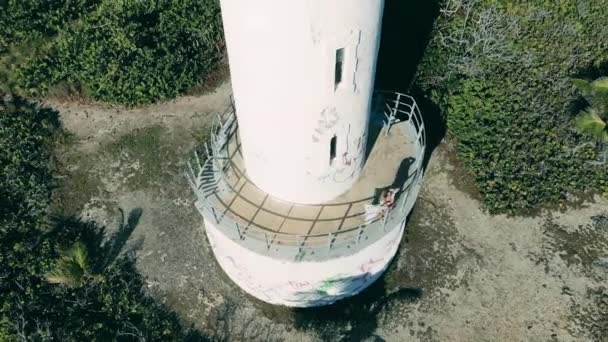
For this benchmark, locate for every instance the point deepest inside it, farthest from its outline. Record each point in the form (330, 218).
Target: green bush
(114, 306)
(20, 19)
(25, 131)
(128, 52)
(502, 73)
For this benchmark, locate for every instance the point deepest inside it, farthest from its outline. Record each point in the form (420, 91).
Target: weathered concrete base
(303, 284)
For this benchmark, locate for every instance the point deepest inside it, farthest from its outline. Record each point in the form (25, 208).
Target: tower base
(304, 255)
(303, 284)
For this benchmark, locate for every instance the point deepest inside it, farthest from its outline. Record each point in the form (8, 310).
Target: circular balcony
(269, 226)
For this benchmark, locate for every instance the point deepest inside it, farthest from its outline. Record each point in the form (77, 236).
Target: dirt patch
(140, 157)
(431, 249)
(92, 125)
(584, 245)
(495, 289)
(592, 317)
(584, 248)
(460, 274)
(110, 150)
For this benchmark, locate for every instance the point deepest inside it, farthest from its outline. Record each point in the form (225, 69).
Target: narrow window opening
(332, 149)
(339, 67)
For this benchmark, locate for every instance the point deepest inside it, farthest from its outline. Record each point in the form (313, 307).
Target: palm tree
(593, 120)
(72, 269)
(589, 122)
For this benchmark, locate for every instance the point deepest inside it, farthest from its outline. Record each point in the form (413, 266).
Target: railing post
(208, 150)
(388, 123)
(385, 219)
(193, 174)
(329, 242)
(215, 215)
(359, 233)
(300, 242)
(198, 161)
(238, 230)
(215, 165)
(267, 242)
(192, 185)
(221, 216)
(404, 195)
(397, 103)
(214, 147)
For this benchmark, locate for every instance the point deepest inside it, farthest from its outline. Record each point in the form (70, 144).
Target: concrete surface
(463, 275)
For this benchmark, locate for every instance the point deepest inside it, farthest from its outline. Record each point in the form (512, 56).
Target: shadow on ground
(415, 272)
(104, 248)
(356, 318)
(351, 319)
(406, 30)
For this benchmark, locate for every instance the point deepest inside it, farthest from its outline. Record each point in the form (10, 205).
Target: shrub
(25, 133)
(20, 19)
(502, 74)
(128, 52)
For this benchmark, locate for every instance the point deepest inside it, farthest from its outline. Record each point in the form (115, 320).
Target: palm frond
(72, 267)
(600, 84)
(583, 85)
(600, 95)
(590, 123)
(66, 272)
(80, 255)
(595, 92)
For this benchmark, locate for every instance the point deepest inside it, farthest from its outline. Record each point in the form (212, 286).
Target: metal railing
(206, 174)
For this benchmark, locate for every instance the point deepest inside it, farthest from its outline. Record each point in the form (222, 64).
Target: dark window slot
(339, 68)
(332, 149)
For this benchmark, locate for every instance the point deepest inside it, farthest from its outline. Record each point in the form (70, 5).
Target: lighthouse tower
(309, 175)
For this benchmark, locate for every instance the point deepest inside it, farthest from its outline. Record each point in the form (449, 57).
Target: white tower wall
(282, 60)
(303, 284)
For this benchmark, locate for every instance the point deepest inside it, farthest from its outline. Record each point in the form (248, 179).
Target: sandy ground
(460, 275)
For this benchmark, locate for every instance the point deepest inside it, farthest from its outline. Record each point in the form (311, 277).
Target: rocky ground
(460, 275)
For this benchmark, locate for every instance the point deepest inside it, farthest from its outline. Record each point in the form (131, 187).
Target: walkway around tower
(292, 231)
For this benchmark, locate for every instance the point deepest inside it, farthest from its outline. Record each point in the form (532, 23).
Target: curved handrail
(204, 183)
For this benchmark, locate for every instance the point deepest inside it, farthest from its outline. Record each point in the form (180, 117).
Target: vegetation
(502, 73)
(72, 268)
(127, 52)
(592, 120)
(23, 19)
(89, 290)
